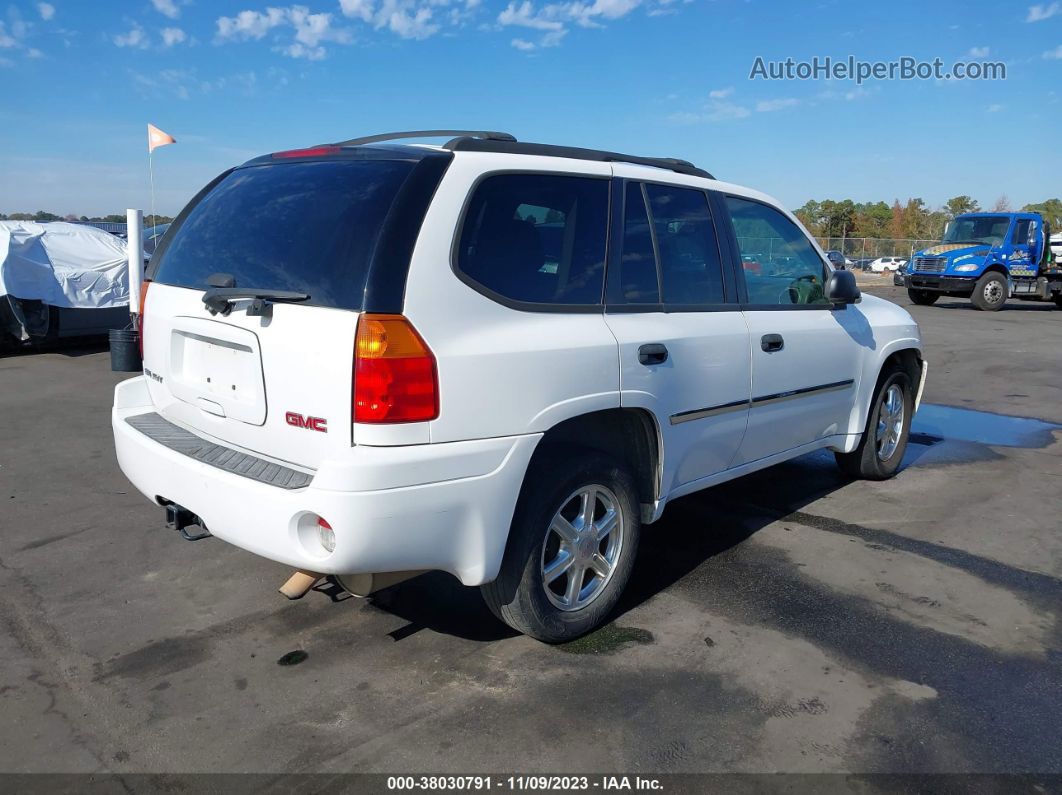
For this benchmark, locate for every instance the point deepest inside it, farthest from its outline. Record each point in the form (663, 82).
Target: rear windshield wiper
(219, 299)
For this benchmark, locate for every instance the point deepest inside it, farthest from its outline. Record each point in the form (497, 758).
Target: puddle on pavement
(967, 425)
(949, 435)
(607, 640)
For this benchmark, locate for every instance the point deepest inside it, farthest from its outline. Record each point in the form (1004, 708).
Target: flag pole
(151, 178)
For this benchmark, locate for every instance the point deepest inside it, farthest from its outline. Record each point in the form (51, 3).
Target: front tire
(923, 297)
(884, 439)
(572, 544)
(990, 292)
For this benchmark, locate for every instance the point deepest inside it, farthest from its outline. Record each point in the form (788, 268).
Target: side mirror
(1032, 234)
(841, 288)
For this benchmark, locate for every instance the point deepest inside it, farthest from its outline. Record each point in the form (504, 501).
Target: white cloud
(554, 18)
(46, 10)
(172, 36)
(33, 52)
(978, 52)
(770, 105)
(1039, 13)
(251, 24)
(299, 50)
(310, 30)
(995, 108)
(721, 93)
(136, 38)
(523, 44)
(6, 40)
(1055, 54)
(168, 8)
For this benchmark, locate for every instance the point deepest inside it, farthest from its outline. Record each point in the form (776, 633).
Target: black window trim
(613, 305)
(512, 303)
(739, 271)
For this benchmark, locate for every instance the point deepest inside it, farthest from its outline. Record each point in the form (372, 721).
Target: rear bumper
(943, 284)
(437, 506)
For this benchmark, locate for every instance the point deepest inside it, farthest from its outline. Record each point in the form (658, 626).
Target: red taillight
(395, 379)
(313, 151)
(140, 315)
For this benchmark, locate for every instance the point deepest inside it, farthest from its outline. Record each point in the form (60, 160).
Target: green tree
(1050, 209)
(961, 204)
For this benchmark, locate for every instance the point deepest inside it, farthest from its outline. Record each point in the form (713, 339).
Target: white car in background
(887, 264)
(492, 358)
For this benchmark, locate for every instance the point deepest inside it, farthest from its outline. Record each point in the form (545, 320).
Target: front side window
(781, 266)
(690, 268)
(537, 238)
(1021, 232)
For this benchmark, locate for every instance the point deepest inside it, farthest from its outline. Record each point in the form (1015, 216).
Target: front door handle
(772, 342)
(653, 353)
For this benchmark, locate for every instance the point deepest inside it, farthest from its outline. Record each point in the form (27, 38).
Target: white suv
(492, 358)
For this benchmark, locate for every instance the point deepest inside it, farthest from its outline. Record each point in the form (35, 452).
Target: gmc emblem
(312, 423)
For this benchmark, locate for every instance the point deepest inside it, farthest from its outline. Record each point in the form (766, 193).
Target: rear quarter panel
(502, 371)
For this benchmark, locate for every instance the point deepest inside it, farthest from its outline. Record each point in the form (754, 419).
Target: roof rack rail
(470, 144)
(456, 135)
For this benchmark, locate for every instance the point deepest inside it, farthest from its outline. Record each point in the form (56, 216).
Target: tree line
(43, 216)
(913, 220)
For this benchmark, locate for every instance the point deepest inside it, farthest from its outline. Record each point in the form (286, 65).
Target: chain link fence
(870, 248)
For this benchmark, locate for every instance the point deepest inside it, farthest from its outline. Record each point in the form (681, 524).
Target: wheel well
(908, 360)
(997, 268)
(630, 436)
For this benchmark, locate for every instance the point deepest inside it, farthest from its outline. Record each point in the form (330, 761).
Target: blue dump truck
(988, 258)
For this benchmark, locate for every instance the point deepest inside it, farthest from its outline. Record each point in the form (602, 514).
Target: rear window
(537, 238)
(310, 227)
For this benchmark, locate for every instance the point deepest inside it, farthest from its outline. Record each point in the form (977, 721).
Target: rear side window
(537, 238)
(310, 227)
(778, 260)
(690, 266)
(637, 267)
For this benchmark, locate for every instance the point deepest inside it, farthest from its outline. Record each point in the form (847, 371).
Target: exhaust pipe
(365, 584)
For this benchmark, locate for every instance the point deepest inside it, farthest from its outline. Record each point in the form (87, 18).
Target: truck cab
(988, 257)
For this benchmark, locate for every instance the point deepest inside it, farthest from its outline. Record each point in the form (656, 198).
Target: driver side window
(779, 262)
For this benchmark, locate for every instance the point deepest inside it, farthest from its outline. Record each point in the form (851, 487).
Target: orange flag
(157, 138)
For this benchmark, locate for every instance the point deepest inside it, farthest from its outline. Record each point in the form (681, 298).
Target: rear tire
(562, 574)
(1058, 301)
(990, 292)
(884, 439)
(923, 297)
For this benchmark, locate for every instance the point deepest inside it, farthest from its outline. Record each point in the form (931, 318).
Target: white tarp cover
(64, 265)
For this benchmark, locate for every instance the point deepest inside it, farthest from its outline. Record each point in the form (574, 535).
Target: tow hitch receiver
(180, 519)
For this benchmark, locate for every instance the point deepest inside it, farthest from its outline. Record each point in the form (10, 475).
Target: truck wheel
(572, 545)
(923, 297)
(1058, 301)
(884, 440)
(990, 292)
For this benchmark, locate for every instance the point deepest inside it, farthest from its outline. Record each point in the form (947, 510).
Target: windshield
(308, 227)
(989, 229)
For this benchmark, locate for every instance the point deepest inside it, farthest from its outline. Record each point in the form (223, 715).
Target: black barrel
(125, 350)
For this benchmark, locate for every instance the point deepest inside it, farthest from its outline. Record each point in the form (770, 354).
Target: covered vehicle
(59, 280)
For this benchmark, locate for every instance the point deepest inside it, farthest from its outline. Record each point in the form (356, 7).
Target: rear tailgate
(279, 386)
(276, 382)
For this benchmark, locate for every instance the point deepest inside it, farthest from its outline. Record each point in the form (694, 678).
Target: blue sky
(653, 77)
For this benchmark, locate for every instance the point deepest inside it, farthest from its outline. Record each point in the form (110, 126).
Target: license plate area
(217, 368)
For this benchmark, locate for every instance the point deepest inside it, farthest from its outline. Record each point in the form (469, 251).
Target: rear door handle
(772, 342)
(653, 353)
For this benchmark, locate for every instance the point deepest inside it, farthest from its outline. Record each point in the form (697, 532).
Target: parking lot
(788, 621)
